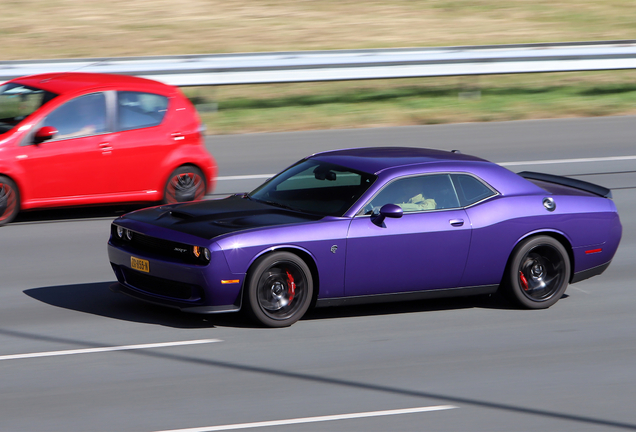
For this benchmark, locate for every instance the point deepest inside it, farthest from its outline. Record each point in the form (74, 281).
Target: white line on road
(561, 161)
(315, 419)
(515, 163)
(245, 177)
(107, 349)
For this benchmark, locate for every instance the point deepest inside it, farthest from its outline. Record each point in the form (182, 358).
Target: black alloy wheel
(538, 273)
(9, 200)
(278, 289)
(186, 183)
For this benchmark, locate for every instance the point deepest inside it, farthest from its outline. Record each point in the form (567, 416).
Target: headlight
(120, 232)
(129, 235)
(201, 253)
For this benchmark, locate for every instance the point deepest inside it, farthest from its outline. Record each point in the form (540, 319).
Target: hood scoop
(180, 215)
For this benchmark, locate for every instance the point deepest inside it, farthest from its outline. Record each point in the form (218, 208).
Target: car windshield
(316, 187)
(18, 101)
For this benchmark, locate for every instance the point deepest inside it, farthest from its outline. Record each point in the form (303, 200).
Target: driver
(418, 202)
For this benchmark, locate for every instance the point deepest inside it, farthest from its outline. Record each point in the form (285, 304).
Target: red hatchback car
(76, 139)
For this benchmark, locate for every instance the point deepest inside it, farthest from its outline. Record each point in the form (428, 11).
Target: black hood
(212, 218)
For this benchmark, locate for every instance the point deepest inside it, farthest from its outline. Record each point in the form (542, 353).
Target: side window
(82, 116)
(137, 110)
(418, 193)
(471, 189)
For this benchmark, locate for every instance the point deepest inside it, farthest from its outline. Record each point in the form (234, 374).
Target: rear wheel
(279, 289)
(186, 183)
(538, 273)
(9, 200)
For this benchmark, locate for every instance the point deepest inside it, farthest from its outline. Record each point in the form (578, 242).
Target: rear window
(136, 110)
(471, 190)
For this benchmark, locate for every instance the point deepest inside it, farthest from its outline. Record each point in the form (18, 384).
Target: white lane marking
(107, 349)
(515, 163)
(562, 161)
(245, 177)
(314, 419)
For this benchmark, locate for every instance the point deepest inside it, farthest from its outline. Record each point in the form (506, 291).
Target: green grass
(416, 102)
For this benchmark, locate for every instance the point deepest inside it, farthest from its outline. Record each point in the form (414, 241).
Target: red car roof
(66, 82)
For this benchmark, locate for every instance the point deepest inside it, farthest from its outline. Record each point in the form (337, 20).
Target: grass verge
(276, 108)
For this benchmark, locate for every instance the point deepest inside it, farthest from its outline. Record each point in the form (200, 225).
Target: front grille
(163, 287)
(156, 247)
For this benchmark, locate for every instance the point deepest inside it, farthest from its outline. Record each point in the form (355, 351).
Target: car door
(141, 143)
(74, 163)
(425, 249)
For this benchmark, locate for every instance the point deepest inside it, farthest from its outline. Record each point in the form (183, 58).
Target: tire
(9, 200)
(538, 273)
(279, 289)
(186, 183)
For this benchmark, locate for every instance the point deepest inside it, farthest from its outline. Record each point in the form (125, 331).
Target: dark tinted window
(417, 193)
(82, 116)
(137, 110)
(470, 189)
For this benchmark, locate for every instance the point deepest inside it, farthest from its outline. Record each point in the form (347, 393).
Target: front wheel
(186, 183)
(279, 289)
(538, 273)
(9, 200)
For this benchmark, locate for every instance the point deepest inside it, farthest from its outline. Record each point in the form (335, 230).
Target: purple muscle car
(369, 225)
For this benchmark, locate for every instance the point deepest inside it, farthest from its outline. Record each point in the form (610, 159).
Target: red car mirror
(44, 133)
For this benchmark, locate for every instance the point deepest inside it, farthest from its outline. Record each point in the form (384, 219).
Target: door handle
(105, 147)
(456, 222)
(177, 136)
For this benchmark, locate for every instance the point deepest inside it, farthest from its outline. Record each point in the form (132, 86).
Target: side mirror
(387, 211)
(45, 133)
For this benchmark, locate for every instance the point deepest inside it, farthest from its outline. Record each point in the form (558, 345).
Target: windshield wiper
(274, 203)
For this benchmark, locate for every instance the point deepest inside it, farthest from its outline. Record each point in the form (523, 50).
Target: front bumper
(190, 288)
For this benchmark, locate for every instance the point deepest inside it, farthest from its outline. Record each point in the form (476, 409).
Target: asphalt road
(75, 357)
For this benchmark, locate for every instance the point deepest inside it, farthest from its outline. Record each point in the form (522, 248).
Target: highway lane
(241, 155)
(569, 368)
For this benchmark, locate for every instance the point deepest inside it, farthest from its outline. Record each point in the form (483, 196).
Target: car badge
(177, 249)
(334, 248)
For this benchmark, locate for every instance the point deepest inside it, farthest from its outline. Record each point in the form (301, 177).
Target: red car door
(142, 143)
(75, 163)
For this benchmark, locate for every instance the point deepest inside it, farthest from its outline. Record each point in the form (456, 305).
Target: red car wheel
(9, 200)
(186, 183)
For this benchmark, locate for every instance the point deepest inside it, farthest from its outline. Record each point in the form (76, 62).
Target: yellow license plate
(139, 264)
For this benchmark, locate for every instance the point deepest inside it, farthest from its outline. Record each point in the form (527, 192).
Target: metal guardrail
(340, 65)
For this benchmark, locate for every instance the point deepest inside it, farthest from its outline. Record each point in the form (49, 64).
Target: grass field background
(45, 29)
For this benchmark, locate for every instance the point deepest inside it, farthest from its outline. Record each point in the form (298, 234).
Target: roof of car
(408, 160)
(376, 159)
(66, 82)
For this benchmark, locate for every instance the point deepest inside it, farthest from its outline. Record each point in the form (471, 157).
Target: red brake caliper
(522, 278)
(291, 285)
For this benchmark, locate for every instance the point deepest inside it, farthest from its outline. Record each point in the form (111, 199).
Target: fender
(180, 157)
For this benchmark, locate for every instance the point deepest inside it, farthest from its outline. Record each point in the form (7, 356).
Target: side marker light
(593, 251)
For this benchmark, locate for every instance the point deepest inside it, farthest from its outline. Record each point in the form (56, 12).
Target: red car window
(82, 116)
(137, 110)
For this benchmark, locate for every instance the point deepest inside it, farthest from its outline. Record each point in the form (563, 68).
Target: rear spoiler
(565, 181)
